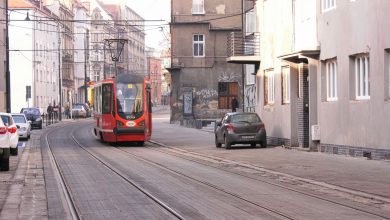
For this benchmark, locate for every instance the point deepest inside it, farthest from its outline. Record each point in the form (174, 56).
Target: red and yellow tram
(122, 109)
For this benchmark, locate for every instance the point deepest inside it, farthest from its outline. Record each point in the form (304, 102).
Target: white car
(4, 147)
(12, 130)
(24, 126)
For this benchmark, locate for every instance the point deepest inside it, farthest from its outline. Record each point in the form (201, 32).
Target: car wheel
(227, 143)
(217, 144)
(253, 144)
(4, 164)
(14, 151)
(141, 143)
(40, 126)
(263, 144)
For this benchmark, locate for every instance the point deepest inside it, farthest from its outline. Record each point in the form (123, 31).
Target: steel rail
(269, 209)
(264, 181)
(126, 179)
(61, 180)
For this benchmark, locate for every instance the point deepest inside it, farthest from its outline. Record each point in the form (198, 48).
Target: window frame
(198, 43)
(269, 87)
(329, 7)
(362, 79)
(331, 80)
(199, 6)
(230, 92)
(286, 85)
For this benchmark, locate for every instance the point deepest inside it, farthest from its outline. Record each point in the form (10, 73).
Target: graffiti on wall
(230, 77)
(204, 96)
(250, 101)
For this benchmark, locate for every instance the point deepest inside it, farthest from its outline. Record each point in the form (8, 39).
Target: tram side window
(106, 98)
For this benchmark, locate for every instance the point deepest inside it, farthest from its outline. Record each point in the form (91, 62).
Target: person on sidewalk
(234, 104)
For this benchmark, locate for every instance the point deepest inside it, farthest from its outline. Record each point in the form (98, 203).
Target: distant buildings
(57, 47)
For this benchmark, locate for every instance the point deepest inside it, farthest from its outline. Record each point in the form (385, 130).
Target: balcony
(173, 64)
(243, 49)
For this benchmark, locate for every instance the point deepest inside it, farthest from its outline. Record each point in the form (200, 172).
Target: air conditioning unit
(315, 133)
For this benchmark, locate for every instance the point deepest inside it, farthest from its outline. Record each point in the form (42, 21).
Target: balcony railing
(243, 45)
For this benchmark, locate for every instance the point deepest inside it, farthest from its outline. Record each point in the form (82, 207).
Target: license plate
(247, 137)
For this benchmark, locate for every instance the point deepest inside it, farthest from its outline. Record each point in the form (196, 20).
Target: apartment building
(155, 77)
(323, 79)
(203, 83)
(34, 57)
(129, 26)
(81, 52)
(354, 77)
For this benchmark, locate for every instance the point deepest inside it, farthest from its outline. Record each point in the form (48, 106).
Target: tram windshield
(129, 100)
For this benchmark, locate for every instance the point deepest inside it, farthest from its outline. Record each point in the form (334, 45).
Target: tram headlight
(119, 123)
(142, 123)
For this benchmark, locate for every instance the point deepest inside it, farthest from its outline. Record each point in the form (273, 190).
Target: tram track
(69, 200)
(378, 199)
(123, 176)
(128, 180)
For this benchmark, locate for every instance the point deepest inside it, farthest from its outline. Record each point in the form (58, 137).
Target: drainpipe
(243, 65)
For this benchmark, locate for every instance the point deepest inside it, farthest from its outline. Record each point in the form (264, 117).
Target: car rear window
(31, 111)
(252, 118)
(6, 120)
(78, 107)
(19, 118)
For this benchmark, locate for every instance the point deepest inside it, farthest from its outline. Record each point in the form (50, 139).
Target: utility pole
(7, 71)
(86, 55)
(59, 74)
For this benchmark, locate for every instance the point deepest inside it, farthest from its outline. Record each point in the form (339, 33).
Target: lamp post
(7, 71)
(115, 46)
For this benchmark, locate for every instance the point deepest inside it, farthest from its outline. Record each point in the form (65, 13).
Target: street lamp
(115, 47)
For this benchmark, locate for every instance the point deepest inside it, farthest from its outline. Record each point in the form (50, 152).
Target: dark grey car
(240, 128)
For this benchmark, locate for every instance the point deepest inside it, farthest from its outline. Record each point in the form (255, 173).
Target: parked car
(80, 110)
(240, 128)
(4, 146)
(24, 126)
(12, 130)
(33, 115)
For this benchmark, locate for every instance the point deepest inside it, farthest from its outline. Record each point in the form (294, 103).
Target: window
(198, 7)
(250, 74)
(286, 85)
(362, 77)
(226, 92)
(250, 24)
(107, 98)
(198, 45)
(331, 80)
(269, 83)
(328, 5)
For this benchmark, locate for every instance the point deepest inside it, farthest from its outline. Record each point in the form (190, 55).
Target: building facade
(81, 52)
(155, 77)
(323, 80)
(203, 83)
(353, 78)
(129, 26)
(34, 56)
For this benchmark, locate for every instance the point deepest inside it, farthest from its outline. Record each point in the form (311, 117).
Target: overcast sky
(152, 10)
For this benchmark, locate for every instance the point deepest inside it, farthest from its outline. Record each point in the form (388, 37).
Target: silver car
(240, 128)
(24, 126)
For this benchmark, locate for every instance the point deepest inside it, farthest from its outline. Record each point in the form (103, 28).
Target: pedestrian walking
(49, 112)
(234, 104)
